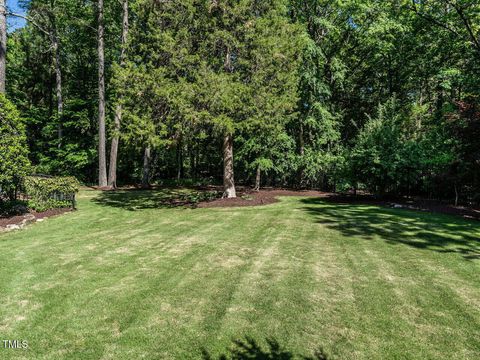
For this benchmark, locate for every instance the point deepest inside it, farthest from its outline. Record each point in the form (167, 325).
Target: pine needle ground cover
(126, 278)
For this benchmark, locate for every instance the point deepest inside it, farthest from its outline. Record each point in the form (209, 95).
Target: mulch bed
(248, 197)
(38, 215)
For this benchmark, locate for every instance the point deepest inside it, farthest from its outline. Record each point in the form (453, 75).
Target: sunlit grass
(125, 277)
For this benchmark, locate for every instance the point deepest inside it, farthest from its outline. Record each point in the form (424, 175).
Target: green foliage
(385, 157)
(296, 83)
(45, 193)
(14, 162)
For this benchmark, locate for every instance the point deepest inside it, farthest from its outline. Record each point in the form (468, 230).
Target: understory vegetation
(372, 95)
(127, 276)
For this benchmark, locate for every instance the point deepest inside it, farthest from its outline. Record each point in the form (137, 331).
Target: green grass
(125, 278)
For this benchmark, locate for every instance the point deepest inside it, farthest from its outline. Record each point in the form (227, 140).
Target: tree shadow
(249, 349)
(141, 199)
(426, 231)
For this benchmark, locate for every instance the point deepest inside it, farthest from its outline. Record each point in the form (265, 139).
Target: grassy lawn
(124, 278)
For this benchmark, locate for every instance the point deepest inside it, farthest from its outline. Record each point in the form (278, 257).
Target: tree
(102, 160)
(3, 45)
(14, 162)
(43, 16)
(387, 155)
(112, 175)
(247, 75)
(458, 17)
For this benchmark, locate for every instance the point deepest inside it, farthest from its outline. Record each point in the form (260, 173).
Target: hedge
(44, 193)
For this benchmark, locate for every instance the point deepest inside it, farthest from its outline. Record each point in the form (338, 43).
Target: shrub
(13, 208)
(387, 156)
(200, 196)
(14, 163)
(44, 193)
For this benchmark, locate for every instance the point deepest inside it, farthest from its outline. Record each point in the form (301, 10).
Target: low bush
(44, 193)
(13, 208)
(199, 196)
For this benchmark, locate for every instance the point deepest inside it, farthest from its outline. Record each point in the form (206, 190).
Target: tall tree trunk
(301, 141)
(258, 179)
(112, 174)
(228, 180)
(456, 194)
(191, 154)
(102, 161)
(3, 45)
(179, 159)
(58, 80)
(196, 158)
(147, 158)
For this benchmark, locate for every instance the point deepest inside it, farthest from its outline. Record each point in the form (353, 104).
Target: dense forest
(338, 95)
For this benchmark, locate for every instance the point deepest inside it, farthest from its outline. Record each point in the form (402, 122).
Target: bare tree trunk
(179, 159)
(58, 80)
(192, 162)
(147, 157)
(456, 194)
(3, 45)
(258, 179)
(112, 169)
(301, 141)
(228, 179)
(102, 161)
(112, 175)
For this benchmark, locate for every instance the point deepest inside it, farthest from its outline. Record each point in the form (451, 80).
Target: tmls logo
(15, 344)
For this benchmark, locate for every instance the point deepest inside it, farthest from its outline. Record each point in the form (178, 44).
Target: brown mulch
(248, 197)
(38, 215)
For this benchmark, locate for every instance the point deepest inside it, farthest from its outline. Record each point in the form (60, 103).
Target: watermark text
(14, 344)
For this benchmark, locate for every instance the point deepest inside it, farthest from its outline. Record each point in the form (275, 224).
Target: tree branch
(31, 21)
(468, 27)
(431, 19)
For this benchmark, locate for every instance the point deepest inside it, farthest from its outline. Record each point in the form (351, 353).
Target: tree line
(337, 95)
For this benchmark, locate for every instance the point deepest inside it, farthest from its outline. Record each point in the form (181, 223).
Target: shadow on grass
(427, 231)
(249, 349)
(141, 199)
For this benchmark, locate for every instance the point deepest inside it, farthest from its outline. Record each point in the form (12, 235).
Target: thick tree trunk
(228, 179)
(58, 81)
(102, 161)
(112, 169)
(258, 179)
(112, 174)
(147, 158)
(3, 45)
